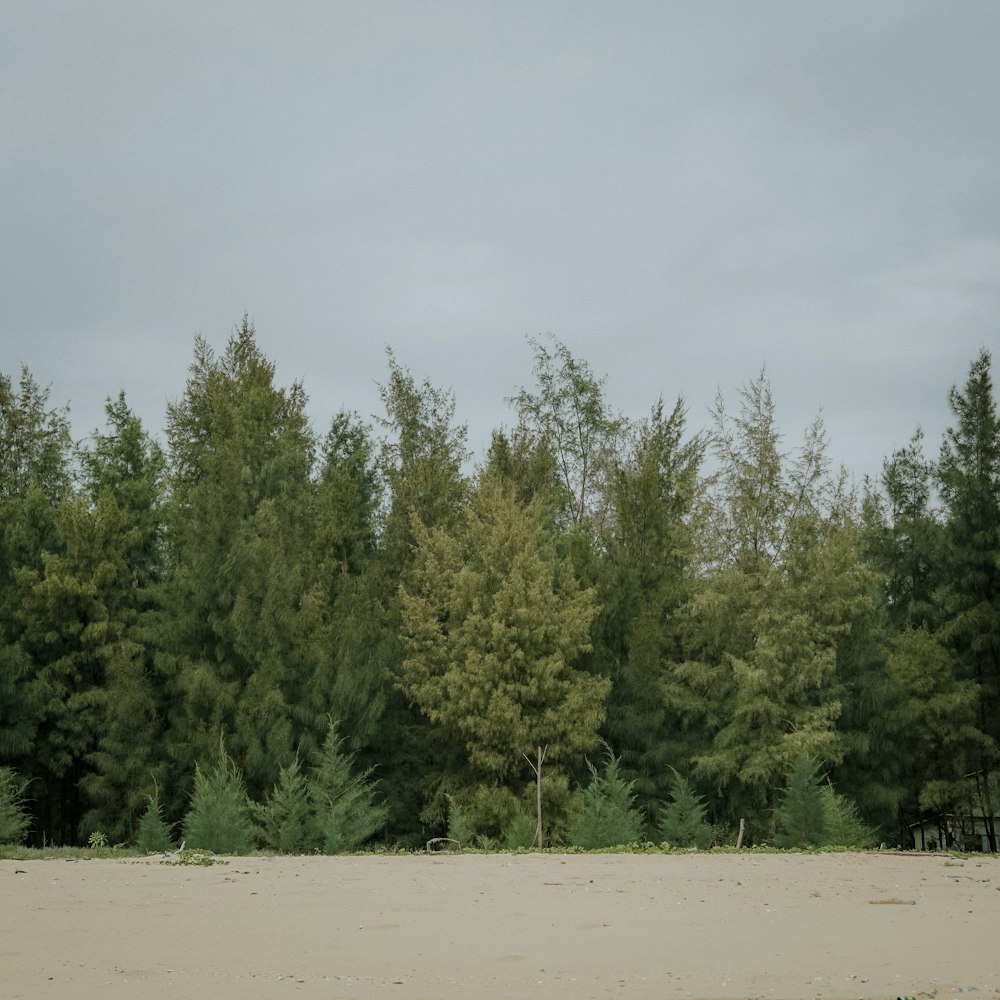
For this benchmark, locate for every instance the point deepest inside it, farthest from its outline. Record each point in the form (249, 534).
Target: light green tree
(493, 623)
(783, 581)
(568, 414)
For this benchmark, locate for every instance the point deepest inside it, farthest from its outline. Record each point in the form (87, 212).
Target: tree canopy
(373, 633)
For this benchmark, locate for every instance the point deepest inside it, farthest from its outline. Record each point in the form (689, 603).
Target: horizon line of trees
(706, 607)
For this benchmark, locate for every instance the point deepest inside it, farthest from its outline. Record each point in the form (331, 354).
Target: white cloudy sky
(680, 190)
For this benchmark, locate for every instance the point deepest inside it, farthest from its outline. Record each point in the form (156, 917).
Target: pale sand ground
(502, 926)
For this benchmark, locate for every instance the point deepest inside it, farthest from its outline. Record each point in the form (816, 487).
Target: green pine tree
(842, 824)
(683, 821)
(494, 625)
(14, 819)
(647, 579)
(287, 819)
(153, 834)
(239, 626)
(801, 816)
(969, 477)
(607, 816)
(347, 813)
(458, 826)
(783, 582)
(220, 817)
(520, 833)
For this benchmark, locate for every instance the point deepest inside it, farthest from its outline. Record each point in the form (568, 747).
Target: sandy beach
(502, 926)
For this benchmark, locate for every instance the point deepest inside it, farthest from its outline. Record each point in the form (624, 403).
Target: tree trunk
(537, 768)
(538, 800)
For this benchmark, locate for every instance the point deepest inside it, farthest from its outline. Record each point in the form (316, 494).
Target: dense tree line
(694, 622)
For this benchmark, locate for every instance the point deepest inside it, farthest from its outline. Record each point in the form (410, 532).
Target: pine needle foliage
(287, 818)
(459, 827)
(519, 834)
(220, 819)
(154, 835)
(14, 820)
(800, 818)
(843, 824)
(346, 811)
(608, 817)
(683, 821)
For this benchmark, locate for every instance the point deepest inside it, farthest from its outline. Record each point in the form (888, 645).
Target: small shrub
(800, 819)
(607, 817)
(683, 822)
(287, 821)
(346, 811)
(201, 859)
(458, 827)
(520, 832)
(154, 835)
(97, 840)
(843, 824)
(14, 821)
(219, 819)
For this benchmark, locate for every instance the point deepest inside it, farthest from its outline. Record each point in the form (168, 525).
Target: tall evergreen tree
(969, 475)
(124, 482)
(649, 549)
(236, 607)
(35, 477)
(358, 641)
(879, 663)
(421, 461)
(783, 583)
(570, 415)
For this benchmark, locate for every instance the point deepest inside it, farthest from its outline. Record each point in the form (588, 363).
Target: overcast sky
(681, 192)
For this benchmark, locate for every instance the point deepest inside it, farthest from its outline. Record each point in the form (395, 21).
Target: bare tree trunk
(739, 839)
(537, 768)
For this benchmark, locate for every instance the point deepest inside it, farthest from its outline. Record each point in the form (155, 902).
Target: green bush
(520, 832)
(346, 811)
(812, 814)
(287, 820)
(607, 816)
(220, 818)
(843, 824)
(458, 827)
(683, 822)
(800, 818)
(14, 820)
(154, 834)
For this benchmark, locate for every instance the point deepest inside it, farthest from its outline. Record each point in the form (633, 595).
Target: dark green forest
(683, 621)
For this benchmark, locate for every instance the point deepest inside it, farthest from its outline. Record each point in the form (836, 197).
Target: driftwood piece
(441, 840)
